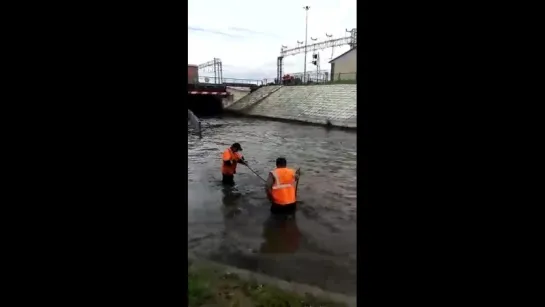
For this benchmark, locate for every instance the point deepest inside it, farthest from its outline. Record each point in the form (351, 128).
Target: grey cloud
(197, 29)
(251, 31)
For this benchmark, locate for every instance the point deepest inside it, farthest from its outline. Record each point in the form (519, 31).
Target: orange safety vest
(229, 155)
(283, 189)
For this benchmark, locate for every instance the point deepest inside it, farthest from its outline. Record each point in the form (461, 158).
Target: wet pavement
(233, 225)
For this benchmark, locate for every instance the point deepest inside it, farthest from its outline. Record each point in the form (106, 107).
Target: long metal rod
(256, 173)
(297, 184)
(215, 71)
(306, 35)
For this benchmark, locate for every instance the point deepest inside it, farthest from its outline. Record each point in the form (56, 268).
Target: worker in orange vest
(231, 157)
(280, 188)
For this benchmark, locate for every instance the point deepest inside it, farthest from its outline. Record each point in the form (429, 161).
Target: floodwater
(233, 225)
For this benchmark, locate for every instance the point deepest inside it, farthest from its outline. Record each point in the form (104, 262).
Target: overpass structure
(215, 69)
(231, 81)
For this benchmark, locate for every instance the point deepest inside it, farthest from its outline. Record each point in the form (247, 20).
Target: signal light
(315, 56)
(314, 62)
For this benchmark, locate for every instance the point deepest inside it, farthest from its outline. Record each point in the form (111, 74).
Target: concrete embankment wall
(315, 104)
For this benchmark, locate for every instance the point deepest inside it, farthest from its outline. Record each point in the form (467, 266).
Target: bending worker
(231, 156)
(280, 188)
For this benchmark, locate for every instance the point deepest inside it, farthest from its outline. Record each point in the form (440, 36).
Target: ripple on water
(232, 224)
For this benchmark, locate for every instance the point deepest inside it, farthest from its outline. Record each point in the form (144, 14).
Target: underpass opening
(205, 105)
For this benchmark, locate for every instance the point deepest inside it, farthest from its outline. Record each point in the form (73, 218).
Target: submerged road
(233, 225)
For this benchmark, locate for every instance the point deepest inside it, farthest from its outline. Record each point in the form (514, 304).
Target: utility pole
(306, 33)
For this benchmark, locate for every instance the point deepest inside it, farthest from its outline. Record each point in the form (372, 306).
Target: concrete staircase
(313, 104)
(253, 98)
(238, 93)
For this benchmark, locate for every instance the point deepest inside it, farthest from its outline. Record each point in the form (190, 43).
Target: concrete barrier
(317, 104)
(195, 122)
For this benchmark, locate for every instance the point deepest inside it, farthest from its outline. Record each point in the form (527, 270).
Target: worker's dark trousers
(228, 179)
(283, 209)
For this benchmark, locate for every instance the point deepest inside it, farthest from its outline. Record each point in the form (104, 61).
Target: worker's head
(281, 162)
(236, 147)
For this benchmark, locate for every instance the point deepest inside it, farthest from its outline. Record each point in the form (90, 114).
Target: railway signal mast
(350, 40)
(353, 37)
(213, 66)
(315, 59)
(329, 36)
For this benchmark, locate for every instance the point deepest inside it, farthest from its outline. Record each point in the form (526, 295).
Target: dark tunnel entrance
(205, 105)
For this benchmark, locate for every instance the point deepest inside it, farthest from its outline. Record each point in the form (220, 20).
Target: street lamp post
(306, 33)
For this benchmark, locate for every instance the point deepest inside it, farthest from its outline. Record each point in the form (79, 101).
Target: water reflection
(230, 199)
(281, 235)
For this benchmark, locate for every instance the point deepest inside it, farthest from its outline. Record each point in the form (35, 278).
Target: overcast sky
(247, 35)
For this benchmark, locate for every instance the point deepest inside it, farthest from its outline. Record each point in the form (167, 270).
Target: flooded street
(233, 225)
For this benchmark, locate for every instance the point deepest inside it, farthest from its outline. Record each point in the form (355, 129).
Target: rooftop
(343, 54)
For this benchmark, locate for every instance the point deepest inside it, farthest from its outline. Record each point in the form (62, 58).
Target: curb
(298, 288)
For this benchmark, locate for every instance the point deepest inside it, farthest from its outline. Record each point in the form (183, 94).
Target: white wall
(346, 66)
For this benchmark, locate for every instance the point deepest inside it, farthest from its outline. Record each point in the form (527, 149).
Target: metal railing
(322, 77)
(216, 80)
(195, 122)
(243, 81)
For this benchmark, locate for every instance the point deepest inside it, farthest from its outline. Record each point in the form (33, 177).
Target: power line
(318, 46)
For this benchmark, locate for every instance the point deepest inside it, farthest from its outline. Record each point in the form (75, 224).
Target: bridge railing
(218, 80)
(210, 80)
(320, 78)
(243, 81)
(194, 122)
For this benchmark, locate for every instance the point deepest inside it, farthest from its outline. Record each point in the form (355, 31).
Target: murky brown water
(233, 225)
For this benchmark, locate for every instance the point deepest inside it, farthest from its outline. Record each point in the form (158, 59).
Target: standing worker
(280, 188)
(231, 156)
